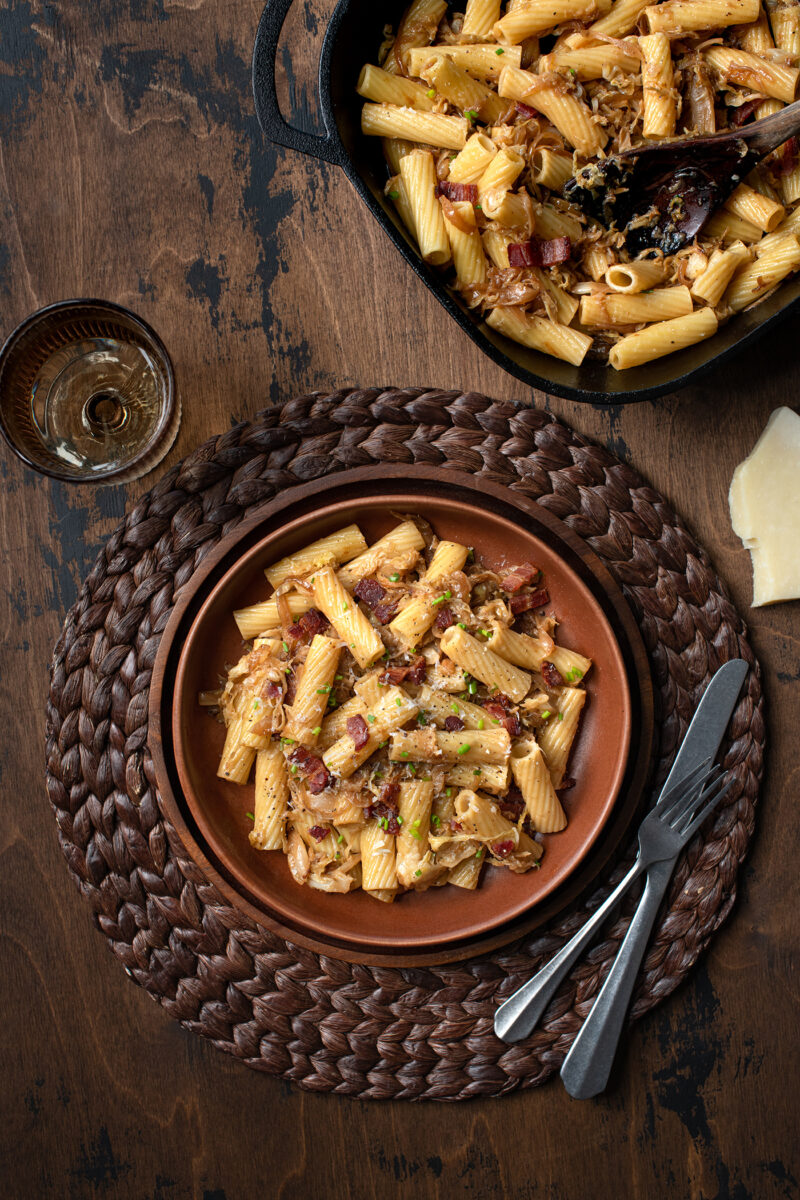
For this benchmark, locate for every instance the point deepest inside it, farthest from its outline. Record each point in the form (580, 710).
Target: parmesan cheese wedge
(764, 502)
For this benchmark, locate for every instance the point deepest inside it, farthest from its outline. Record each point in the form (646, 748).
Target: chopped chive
(471, 114)
(317, 730)
(287, 741)
(438, 600)
(285, 646)
(574, 674)
(370, 718)
(393, 578)
(394, 194)
(500, 51)
(435, 821)
(405, 754)
(545, 714)
(472, 687)
(481, 723)
(338, 678)
(412, 768)
(417, 874)
(448, 595)
(338, 855)
(422, 718)
(476, 771)
(331, 702)
(340, 839)
(323, 691)
(461, 625)
(399, 820)
(495, 721)
(454, 708)
(561, 716)
(295, 768)
(250, 815)
(448, 792)
(573, 72)
(470, 554)
(478, 853)
(416, 822)
(381, 746)
(463, 749)
(288, 671)
(345, 607)
(399, 702)
(415, 834)
(484, 633)
(431, 92)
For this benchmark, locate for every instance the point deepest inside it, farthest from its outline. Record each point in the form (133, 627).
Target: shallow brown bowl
(609, 763)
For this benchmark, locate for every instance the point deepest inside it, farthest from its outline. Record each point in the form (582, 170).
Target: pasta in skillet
(487, 113)
(406, 713)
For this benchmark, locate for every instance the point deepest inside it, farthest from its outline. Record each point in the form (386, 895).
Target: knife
(518, 1015)
(586, 1068)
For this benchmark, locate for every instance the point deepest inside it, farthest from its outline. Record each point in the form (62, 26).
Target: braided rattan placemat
(329, 1025)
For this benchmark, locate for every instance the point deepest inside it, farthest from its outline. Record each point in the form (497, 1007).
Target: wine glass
(87, 393)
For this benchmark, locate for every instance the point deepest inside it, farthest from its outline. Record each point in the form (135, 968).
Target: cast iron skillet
(354, 34)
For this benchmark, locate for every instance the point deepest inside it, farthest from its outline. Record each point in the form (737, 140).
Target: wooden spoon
(663, 193)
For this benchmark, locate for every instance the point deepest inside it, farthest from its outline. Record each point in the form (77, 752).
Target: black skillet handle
(266, 97)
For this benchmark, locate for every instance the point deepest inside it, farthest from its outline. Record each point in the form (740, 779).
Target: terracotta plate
(202, 638)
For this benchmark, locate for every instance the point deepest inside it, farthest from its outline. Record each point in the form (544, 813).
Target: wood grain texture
(131, 167)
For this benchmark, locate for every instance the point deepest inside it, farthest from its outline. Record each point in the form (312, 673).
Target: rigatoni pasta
(509, 99)
(406, 728)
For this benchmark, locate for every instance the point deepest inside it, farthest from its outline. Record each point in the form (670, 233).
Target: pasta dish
(406, 712)
(488, 113)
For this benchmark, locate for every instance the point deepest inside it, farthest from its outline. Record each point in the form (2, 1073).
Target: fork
(662, 835)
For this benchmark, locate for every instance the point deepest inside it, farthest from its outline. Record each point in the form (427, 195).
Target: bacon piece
(444, 620)
(512, 804)
(414, 673)
(369, 590)
(389, 792)
(309, 624)
(313, 768)
(318, 832)
(453, 724)
(382, 811)
(359, 731)
(318, 781)
(524, 603)
(743, 112)
(517, 577)
(566, 784)
(393, 675)
(551, 675)
(458, 191)
(525, 110)
(273, 691)
(385, 611)
(456, 826)
(499, 707)
(539, 253)
(503, 849)
(512, 725)
(291, 688)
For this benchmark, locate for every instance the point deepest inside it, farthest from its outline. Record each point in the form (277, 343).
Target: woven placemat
(328, 1025)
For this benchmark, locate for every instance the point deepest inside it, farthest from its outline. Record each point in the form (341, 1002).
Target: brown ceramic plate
(202, 638)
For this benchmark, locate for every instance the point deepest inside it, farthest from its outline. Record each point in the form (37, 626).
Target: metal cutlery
(691, 790)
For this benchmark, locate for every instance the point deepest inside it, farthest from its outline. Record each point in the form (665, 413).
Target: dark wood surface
(131, 167)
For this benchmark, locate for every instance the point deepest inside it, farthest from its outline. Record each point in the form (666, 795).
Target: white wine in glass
(87, 393)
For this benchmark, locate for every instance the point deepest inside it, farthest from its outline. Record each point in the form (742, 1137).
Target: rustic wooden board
(131, 167)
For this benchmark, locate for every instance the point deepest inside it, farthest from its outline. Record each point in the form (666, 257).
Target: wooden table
(132, 167)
